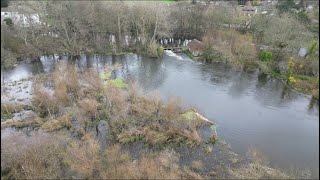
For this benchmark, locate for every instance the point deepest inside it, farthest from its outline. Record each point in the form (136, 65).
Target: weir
(174, 49)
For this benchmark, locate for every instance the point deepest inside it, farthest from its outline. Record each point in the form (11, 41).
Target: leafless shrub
(36, 158)
(72, 80)
(119, 165)
(60, 86)
(22, 123)
(145, 108)
(83, 157)
(89, 107)
(133, 90)
(91, 82)
(43, 101)
(197, 166)
(172, 110)
(53, 124)
(156, 137)
(116, 100)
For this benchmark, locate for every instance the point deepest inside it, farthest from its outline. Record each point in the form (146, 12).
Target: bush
(91, 82)
(83, 157)
(152, 50)
(37, 159)
(160, 51)
(8, 59)
(290, 70)
(266, 56)
(44, 102)
(56, 124)
(89, 108)
(8, 21)
(292, 80)
(60, 86)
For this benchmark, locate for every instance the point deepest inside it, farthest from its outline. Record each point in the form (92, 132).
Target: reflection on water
(250, 108)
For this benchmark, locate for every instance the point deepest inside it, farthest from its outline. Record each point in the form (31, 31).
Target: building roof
(196, 45)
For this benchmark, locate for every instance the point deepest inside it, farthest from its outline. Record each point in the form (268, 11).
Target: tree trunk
(155, 29)
(119, 32)
(66, 32)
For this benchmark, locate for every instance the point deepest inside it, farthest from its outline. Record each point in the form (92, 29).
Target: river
(250, 109)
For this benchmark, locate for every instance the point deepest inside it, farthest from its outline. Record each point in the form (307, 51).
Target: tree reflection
(37, 67)
(314, 104)
(262, 80)
(150, 73)
(241, 84)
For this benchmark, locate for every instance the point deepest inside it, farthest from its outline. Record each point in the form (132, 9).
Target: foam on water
(170, 53)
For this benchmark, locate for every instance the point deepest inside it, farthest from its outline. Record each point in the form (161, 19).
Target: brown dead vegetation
(22, 123)
(47, 156)
(55, 124)
(132, 117)
(8, 109)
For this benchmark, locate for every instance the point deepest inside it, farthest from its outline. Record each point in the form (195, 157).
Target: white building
(21, 19)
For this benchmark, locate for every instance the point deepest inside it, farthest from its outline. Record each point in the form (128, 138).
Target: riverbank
(96, 127)
(304, 85)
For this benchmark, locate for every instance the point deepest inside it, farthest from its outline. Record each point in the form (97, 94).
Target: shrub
(43, 101)
(133, 90)
(290, 70)
(229, 46)
(312, 48)
(129, 136)
(303, 77)
(172, 110)
(72, 80)
(207, 149)
(119, 165)
(89, 107)
(91, 83)
(197, 165)
(152, 49)
(21, 123)
(37, 159)
(55, 124)
(8, 59)
(8, 21)
(266, 56)
(116, 101)
(156, 137)
(315, 93)
(60, 85)
(160, 51)
(145, 108)
(292, 80)
(83, 157)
